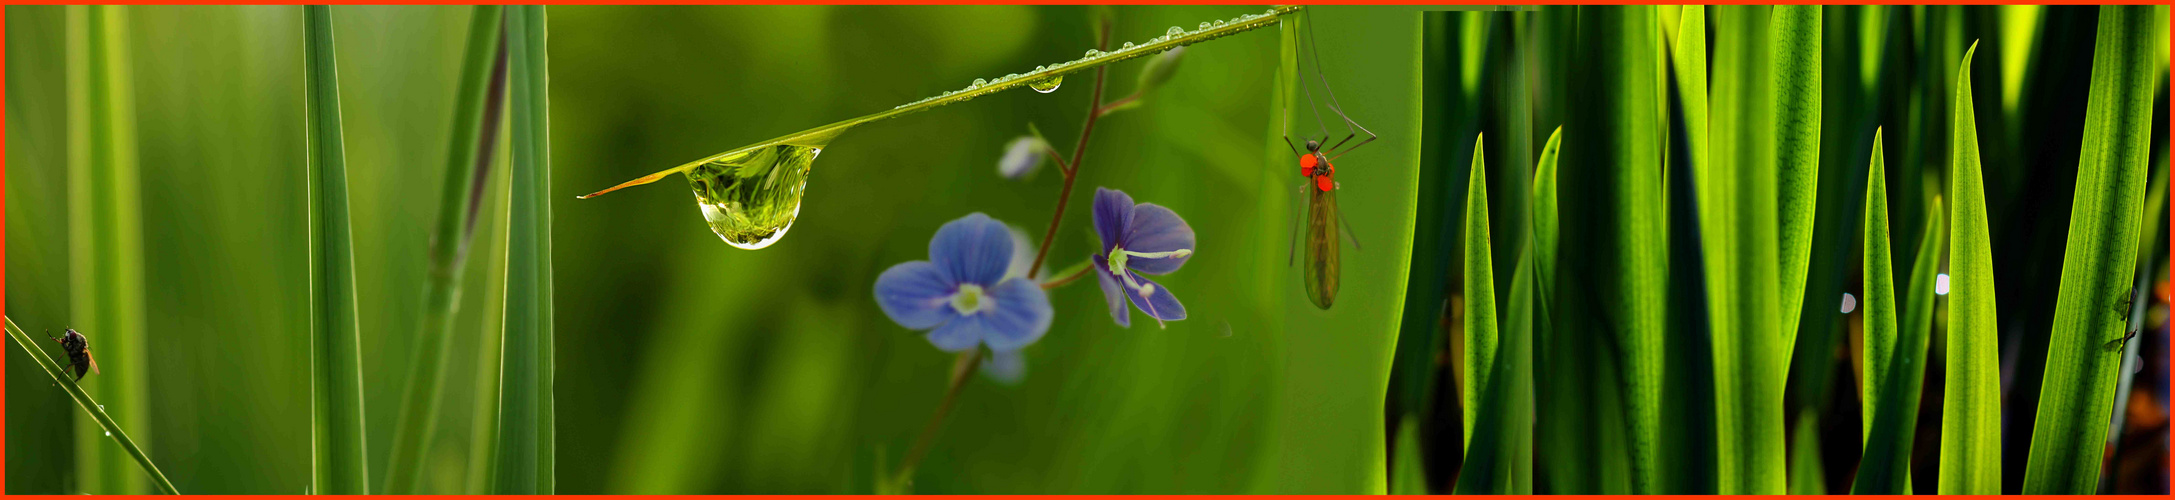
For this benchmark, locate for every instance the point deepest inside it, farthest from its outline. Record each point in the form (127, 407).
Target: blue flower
(1021, 157)
(1139, 239)
(962, 294)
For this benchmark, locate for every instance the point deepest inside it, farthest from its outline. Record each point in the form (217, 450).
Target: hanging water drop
(1175, 31)
(1047, 85)
(750, 199)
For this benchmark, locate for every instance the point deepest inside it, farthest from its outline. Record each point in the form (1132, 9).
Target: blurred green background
(686, 366)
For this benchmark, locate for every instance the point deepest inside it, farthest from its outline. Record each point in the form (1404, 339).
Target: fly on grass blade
(1324, 221)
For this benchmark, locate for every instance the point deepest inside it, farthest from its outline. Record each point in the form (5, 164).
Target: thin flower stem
(97, 411)
(1072, 169)
(969, 362)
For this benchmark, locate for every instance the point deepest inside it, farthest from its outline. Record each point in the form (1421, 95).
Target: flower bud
(1021, 157)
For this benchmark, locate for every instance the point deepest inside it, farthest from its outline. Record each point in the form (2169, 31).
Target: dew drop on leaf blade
(1174, 31)
(1047, 85)
(751, 199)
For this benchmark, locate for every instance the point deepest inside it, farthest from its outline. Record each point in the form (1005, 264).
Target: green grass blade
(2076, 396)
(335, 332)
(105, 236)
(1408, 476)
(1612, 223)
(1690, 63)
(1895, 354)
(1688, 412)
(468, 160)
(1544, 208)
(95, 410)
(1738, 218)
(1807, 476)
(1795, 50)
(525, 445)
(1971, 400)
(1500, 419)
(1480, 315)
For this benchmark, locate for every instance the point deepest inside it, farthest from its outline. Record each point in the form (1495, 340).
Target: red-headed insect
(79, 351)
(1323, 219)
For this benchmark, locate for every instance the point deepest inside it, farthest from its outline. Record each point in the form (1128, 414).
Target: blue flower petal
(1113, 213)
(961, 333)
(915, 295)
(1005, 367)
(1020, 316)
(1113, 293)
(1159, 304)
(1021, 157)
(1157, 229)
(972, 249)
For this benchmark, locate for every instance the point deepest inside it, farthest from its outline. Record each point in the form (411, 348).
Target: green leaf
(526, 444)
(1480, 317)
(1613, 236)
(468, 159)
(95, 410)
(106, 236)
(1688, 411)
(2076, 397)
(1971, 399)
(1795, 50)
(1895, 355)
(1408, 475)
(335, 333)
(1738, 223)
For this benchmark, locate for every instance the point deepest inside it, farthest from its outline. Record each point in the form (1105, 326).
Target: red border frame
(3, 128)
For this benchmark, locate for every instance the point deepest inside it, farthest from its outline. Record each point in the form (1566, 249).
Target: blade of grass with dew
(2076, 397)
(1480, 316)
(95, 410)
(1614, 238)
(1971, 398)
(525, 442)
(105, 235)
(1895, 353)
(823, 135)
(1794, 47)
(1738, 214)
(340, 466)
(468, 160)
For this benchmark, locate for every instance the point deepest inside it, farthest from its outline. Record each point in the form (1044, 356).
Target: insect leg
(1353, 128)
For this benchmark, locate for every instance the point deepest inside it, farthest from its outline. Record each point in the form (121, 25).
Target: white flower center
(968, 300)
(1119, 257)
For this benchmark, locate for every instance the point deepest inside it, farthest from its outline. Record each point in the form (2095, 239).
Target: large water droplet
(750, 199)
(1175, 31)
(1047, 85)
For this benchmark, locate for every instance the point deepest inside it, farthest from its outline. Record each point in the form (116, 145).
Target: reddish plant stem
(1120, 102)
(1072, 169)
(1046, 285)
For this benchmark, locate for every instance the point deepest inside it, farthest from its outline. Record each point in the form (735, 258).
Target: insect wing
(93, 360)
(1322, 267)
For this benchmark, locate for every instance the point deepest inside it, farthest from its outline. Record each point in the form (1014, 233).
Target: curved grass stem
(97, 411)
(823, 135)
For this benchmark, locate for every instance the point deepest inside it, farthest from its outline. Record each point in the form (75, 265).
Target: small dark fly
(79, 351)
(1323, 220)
